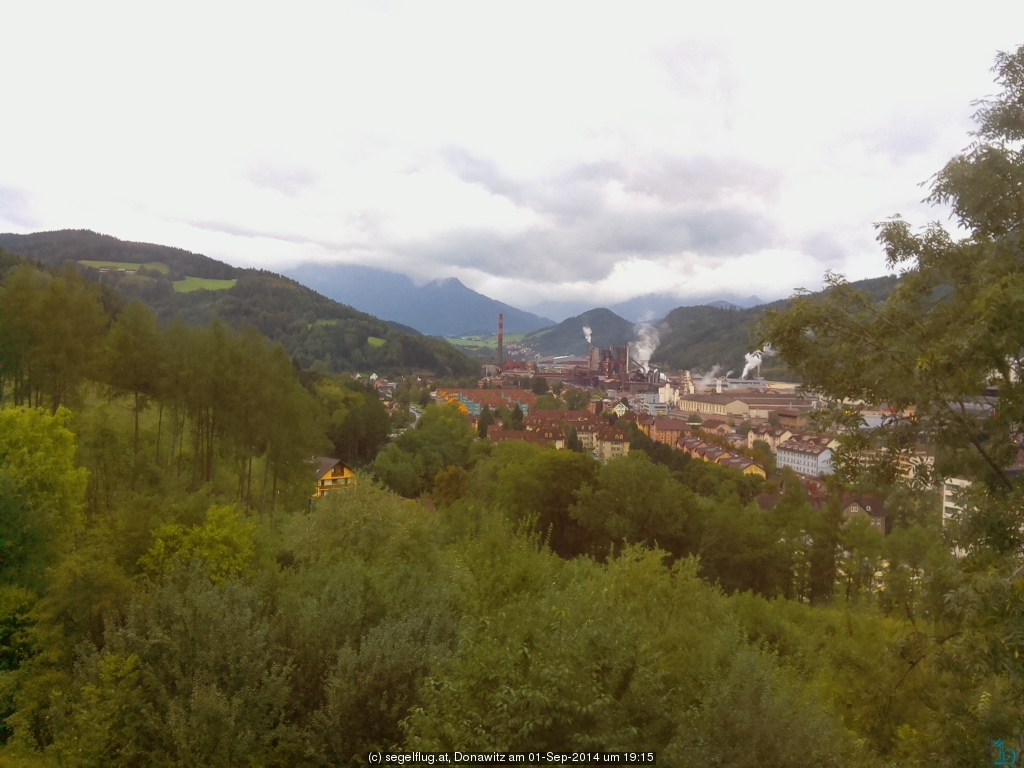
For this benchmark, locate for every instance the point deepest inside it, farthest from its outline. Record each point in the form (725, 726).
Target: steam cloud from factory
(755, 358)
(587, 333)
(707, 381)
(646, 342)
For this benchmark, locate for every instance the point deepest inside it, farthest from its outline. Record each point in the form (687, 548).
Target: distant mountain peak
(442, 307)
(447, 282)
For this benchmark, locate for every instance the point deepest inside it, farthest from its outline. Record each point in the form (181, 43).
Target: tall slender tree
(134, 358)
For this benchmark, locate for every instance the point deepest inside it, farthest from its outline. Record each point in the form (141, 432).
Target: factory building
(747, 405)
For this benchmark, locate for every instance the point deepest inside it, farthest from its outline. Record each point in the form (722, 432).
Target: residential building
(610, 443)
(619, 409)
(698, 449)
(716, 427)
(332, 475)
(744, 465)
(812, 458)
(472, 401)
(910, 464)
(951, 488)
(496, 434)
(768, 434)
(868, 506)
(667, 430)
(551, 427)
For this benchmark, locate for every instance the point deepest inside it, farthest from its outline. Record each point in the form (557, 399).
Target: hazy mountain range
(442, 308)
(654, 306)
(446, 307)
(335, 334)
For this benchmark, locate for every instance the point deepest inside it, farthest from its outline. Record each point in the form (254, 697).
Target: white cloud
(537, 151)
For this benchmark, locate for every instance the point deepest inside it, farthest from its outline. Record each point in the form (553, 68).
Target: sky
(539, 152)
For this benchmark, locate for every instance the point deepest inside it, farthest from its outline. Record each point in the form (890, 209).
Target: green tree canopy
(135, 357)
(635, 501)
(41, 493)
(943, 355)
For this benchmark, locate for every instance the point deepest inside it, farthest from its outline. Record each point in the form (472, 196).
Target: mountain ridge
(316, 331)
(442, 307)
(567, 337)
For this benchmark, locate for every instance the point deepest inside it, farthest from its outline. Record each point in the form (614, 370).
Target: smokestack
(718, 386)
(501, 340)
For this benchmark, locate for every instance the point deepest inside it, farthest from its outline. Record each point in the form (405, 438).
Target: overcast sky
(536, 151)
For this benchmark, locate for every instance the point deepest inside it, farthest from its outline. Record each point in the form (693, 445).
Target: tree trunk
(159, 427)
(266, 466)
(248, 483)
(273, 496)
(136, 428)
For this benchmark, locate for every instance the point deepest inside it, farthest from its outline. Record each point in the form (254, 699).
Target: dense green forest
(317, 332)
(55, 248)
(170, 597)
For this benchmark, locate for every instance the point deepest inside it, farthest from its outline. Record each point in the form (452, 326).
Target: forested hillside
(699, 338)
(314, 330)
(54, 248)
(566, 338)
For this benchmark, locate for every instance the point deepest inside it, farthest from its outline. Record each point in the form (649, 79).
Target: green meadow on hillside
(158, 266)
(483, 342)
(190, 284)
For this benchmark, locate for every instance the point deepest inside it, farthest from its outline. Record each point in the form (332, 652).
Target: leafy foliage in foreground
(173, 631)
(943, 355)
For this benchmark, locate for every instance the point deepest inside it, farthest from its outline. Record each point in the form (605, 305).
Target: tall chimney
(501, 340)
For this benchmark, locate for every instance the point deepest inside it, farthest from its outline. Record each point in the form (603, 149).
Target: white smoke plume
(755, 358)
(647, 340)
(707, 380)
(587, 332)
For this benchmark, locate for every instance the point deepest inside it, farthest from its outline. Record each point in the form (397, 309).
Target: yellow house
(332, 475)
(744, 465)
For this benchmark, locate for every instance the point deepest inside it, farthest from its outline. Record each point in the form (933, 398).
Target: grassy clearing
(190, 284)
(373, 341)
(111, 264)
(483, 342)
(134, 266)
(326, 322)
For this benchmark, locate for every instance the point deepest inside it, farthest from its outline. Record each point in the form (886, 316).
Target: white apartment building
(805, 458)
(951, 486)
